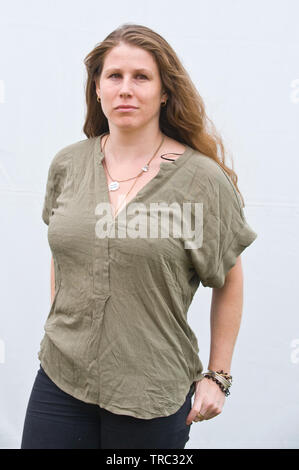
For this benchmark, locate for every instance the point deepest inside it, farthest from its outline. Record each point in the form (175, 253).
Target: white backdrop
(243, 58)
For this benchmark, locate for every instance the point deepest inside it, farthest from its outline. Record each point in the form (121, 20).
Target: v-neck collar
(102, 190)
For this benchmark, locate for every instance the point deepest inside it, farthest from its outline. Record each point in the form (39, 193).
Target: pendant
(145, 168)
(113, 186)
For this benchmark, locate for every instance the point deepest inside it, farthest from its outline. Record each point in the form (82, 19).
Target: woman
(119, 362)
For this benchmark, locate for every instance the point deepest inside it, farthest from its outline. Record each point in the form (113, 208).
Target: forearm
(225, 320)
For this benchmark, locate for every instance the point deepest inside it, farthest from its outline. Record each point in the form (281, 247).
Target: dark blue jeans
(56, 420)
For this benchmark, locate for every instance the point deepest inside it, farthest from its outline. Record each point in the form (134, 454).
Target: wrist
(223, 379)
(226, 370)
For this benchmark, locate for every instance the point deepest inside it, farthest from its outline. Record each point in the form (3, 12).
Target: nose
(125, 88)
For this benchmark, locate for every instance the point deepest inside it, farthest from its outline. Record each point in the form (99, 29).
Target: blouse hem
(113, 409)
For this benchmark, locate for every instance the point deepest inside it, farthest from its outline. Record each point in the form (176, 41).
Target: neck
(124, 147)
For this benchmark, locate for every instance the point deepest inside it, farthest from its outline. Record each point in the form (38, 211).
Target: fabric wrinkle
(117, 334)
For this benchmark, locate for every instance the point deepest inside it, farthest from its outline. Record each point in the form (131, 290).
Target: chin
(127, 124)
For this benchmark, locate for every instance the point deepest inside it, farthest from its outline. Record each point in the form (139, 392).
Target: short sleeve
(56, 177)
(225, 231)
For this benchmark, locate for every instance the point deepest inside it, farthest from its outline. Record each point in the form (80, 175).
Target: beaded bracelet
(226, 392)
(226, 375)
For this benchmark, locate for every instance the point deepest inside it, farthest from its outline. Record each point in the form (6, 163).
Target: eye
(139, 75)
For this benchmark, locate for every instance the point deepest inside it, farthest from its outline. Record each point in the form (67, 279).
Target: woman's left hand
(208, 400)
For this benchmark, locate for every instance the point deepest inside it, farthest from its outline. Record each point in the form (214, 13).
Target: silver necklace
(114, 185)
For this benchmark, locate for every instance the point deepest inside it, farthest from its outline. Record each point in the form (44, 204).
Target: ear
(164, 95)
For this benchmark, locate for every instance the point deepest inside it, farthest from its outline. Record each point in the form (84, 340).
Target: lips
(126, 107)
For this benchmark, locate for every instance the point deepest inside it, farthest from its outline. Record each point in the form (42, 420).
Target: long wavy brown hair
(184, 117)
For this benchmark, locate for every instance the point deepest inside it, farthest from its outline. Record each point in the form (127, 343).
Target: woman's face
(123, 83)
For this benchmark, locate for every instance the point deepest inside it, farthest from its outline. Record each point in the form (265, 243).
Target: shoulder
(79, 147)
(66, 155)
(217, 182)
(206, 166)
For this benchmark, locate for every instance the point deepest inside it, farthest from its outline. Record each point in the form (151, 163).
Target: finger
(196, 419)
(189, 420)
(193, 416)
(211, 415)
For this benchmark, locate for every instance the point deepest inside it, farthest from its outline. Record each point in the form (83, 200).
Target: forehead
(130, 58)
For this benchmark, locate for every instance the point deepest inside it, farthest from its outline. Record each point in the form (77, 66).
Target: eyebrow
(116, 69)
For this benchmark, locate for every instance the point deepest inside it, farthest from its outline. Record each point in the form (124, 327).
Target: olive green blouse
(117, 333)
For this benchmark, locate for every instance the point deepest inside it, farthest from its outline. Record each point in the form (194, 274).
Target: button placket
(101, 284)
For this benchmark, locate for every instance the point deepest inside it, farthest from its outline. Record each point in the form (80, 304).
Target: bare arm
(225, 319)
(52, 280)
